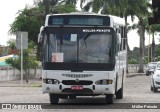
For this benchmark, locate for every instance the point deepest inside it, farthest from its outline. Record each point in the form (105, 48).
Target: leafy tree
(29, 61)
(1, 51)
(133, 61)
(136, 8)
(30, 19)
(122, 8)
(12, 47)
(62, 6)
(157, 54)
(153, 29)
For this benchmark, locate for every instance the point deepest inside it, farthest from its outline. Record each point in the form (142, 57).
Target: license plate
(77, 87)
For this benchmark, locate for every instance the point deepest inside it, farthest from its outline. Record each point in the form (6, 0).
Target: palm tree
(142, 25)
(153, 29)
(58, 6)
(136, 8)
(122, 8)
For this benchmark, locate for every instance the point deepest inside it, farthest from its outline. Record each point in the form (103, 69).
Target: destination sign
(97, 30)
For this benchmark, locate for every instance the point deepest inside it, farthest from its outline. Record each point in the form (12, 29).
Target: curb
(33, 85)
(135, 74)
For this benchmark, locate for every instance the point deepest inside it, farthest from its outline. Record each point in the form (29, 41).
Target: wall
(9, 73)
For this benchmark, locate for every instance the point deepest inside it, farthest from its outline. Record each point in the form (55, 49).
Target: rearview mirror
(40, 34)
(119, 38)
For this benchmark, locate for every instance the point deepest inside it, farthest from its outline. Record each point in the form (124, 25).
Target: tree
(122, 8)
(12, 46)
(141, 11)
(157, 53)
(60, 6)
(30, 19)
(153, 29)
(29, 61)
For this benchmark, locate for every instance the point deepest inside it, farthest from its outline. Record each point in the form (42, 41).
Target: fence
(8, 73)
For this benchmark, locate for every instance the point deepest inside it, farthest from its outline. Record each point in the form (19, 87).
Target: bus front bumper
(78, 89)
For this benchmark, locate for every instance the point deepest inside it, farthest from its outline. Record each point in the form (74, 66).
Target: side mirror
(40, 34)
(119, 38)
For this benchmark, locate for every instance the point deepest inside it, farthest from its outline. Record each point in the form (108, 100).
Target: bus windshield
(82, 48)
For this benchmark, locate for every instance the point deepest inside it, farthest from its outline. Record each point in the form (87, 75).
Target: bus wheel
(54, 99)
(119, 93)
(109, 98)
(155, 89)
(151, 88)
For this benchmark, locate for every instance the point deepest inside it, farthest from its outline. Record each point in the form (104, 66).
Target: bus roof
(79, 13)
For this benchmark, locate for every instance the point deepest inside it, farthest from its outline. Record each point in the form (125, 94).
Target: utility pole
(149, 48)
(153, 48)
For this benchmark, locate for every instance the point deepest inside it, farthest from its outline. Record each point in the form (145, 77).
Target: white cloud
(8, 10)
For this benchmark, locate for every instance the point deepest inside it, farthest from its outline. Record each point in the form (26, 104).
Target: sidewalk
(17, 83)
(38, 82)
(134, 74)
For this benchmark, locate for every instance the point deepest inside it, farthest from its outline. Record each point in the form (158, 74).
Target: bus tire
(155, 89)
(119, 93)
(110, 98)
(151, 88)
(54, 99)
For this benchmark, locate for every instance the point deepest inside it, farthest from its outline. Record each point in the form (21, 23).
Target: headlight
(104, 82)
(55, 81)
(51, 81)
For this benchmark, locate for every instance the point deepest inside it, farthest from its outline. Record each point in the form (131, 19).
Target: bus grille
(84, 91)
(73, 82)
(78, 75)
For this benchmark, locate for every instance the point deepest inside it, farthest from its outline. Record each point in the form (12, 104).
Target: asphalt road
(137, 97)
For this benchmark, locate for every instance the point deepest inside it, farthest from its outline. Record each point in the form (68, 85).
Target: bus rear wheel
(54, 99)
(155, 89)
(119, 93)
(110, 98)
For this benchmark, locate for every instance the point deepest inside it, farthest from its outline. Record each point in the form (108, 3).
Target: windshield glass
(96, 48)
(78, 48)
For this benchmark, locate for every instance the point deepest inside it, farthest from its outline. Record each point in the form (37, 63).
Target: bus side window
(124, 39)
(122, 46)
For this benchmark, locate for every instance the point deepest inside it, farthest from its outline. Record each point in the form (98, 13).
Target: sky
(8, 12)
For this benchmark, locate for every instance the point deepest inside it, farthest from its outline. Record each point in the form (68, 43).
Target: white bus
(83, 54)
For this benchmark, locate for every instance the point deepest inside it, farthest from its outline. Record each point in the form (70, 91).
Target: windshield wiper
(87, 36)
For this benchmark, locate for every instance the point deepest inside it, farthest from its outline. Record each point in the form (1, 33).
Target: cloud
(8, 10)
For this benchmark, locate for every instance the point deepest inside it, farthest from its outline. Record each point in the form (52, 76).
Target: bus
(83, 54)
